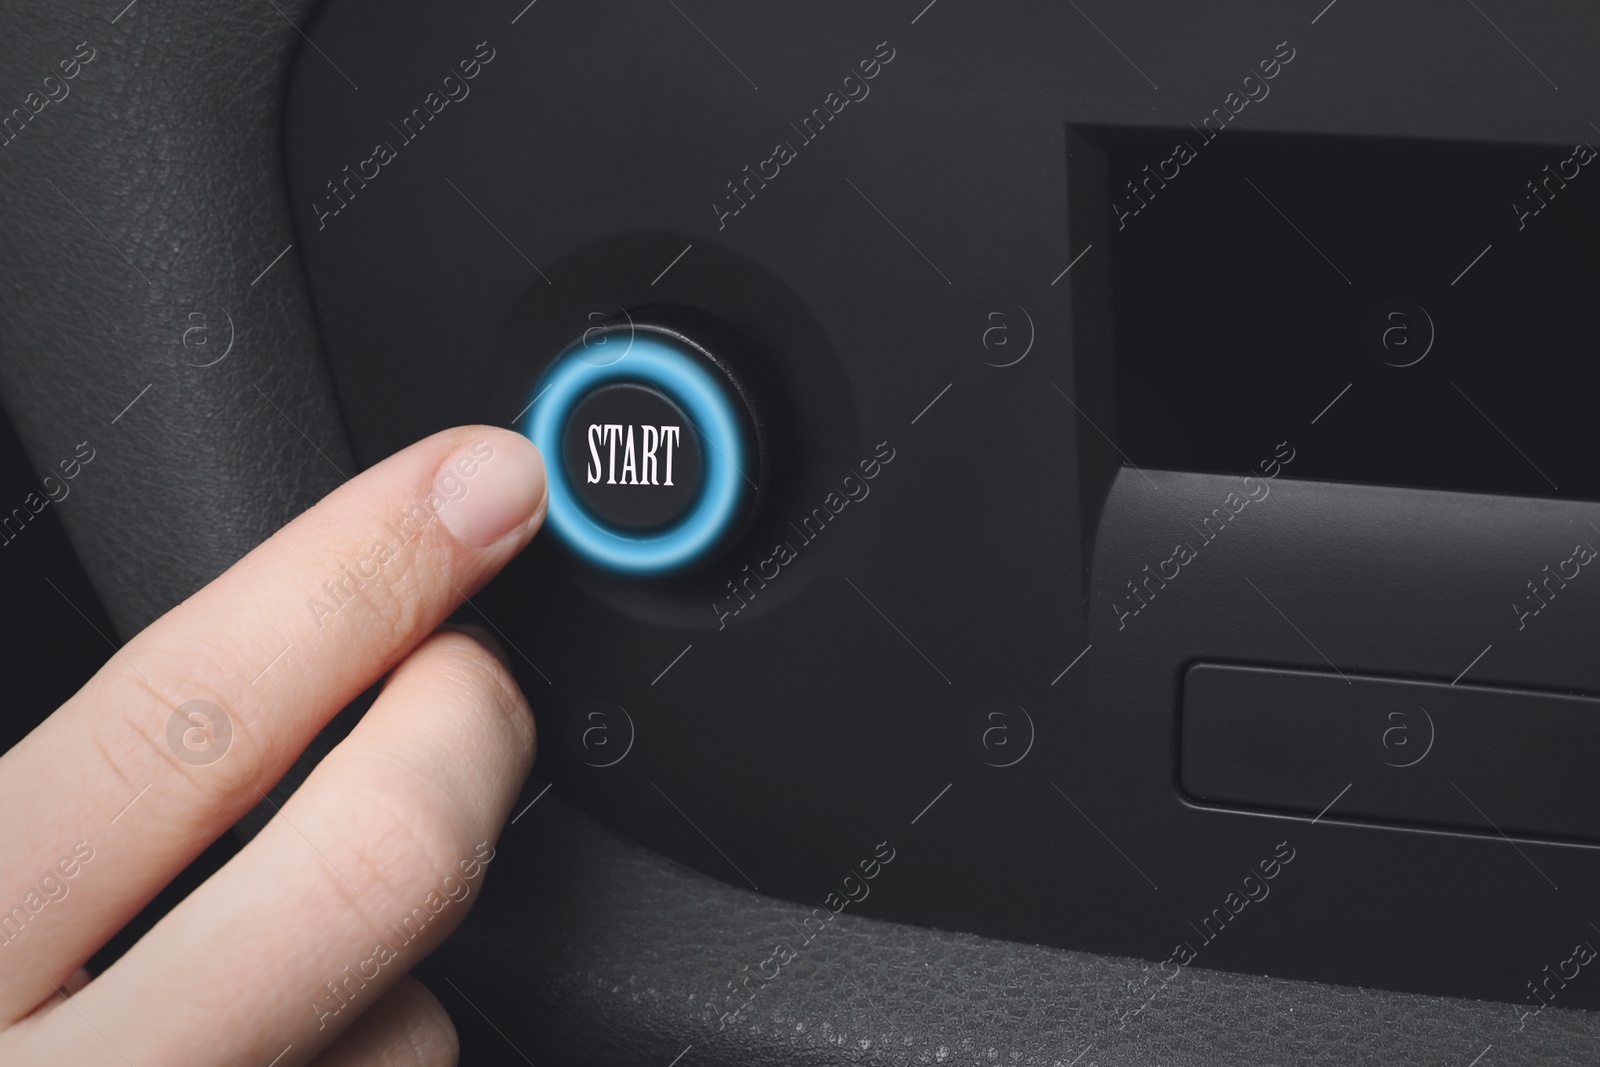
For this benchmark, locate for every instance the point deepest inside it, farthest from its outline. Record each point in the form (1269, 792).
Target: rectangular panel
(1257, 277)
(1414, 752)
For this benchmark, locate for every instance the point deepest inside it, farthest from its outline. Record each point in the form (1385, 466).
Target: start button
(632, 457)
(649, 452)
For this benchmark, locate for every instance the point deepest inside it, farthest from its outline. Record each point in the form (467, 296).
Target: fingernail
(489, 488)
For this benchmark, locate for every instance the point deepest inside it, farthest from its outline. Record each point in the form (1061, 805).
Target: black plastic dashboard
(1130, 408)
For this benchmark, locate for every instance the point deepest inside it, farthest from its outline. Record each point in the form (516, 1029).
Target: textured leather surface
(636, 951)
(152, 191)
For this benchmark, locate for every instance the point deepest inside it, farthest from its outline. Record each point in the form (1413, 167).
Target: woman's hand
(296, 951)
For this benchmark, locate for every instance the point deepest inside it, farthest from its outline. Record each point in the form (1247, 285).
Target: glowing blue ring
(653, 360)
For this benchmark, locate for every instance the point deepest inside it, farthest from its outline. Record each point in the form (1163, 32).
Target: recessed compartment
(1426, 309)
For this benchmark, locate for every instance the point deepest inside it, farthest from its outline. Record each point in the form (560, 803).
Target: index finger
(190, 723)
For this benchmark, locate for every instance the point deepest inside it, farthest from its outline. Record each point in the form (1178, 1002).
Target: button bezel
(672, 365)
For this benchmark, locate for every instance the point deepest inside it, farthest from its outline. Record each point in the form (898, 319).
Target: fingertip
(407, 1027)
(483, 637)
(491, 487)
(478, 675)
